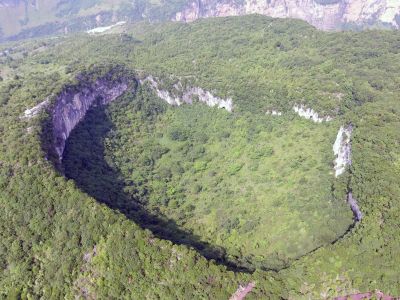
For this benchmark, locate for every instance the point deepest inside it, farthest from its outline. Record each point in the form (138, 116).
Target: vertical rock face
(12, 3)
(323, 14)
(188, 95)
(26, 18)
(342, 149)
(309, 113)
(73, 103)
(354, 207)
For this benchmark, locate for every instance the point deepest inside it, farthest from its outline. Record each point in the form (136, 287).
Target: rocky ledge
(73, 102)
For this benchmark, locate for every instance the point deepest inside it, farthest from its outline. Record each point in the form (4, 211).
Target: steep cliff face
(342, 149)
(180, 95)
(324, 14)
(354, 207)
(21, 19)
(311, 114)
(73, 103)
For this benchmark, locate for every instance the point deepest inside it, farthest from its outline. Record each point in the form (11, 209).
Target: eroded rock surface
(73, 103)
(34, 111)
(342, 149)
(354, 207)
(311, 114)
(324, 14)
(181, 95)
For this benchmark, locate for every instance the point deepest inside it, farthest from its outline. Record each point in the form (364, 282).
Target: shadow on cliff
(84, 162)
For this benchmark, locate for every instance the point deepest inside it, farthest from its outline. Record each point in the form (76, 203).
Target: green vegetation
(59, 242)
(239, 183)
(21, 20)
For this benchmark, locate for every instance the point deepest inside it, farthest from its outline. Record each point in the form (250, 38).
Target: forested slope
(59, 242)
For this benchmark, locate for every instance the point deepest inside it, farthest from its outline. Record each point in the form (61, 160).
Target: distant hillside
(22, 19)
(29, 18)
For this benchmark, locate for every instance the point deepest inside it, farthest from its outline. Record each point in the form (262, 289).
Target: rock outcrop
(242, 291)
(73, 103)
(182, 95)
(354, 207)
(323, 14)
(273, 112)
(27, 19)
(309, 113)
(34, 111)
(104, 28)
(342, 149)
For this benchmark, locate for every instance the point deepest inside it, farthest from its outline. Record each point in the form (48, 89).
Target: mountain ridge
(323, 14)
(24, 19)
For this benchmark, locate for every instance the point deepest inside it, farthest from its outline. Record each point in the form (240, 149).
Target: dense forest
(160, 202)
(239, 183)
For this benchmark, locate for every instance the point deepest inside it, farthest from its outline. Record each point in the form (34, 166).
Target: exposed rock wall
(342, 149)
(316, 12)
(188, 95)
(34, 111)
(311, 114)
(26, 18)
(354, 207)
(73, 103)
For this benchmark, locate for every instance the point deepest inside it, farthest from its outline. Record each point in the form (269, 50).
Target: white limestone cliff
(311, 114)
(323, 16)
(342, 149)
(188, 95)
(34, 111)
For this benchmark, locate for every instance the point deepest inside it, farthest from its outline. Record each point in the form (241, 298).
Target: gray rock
(72, 104)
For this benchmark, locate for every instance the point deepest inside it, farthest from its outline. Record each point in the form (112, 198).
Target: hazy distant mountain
(324, 14)
(26, 18)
